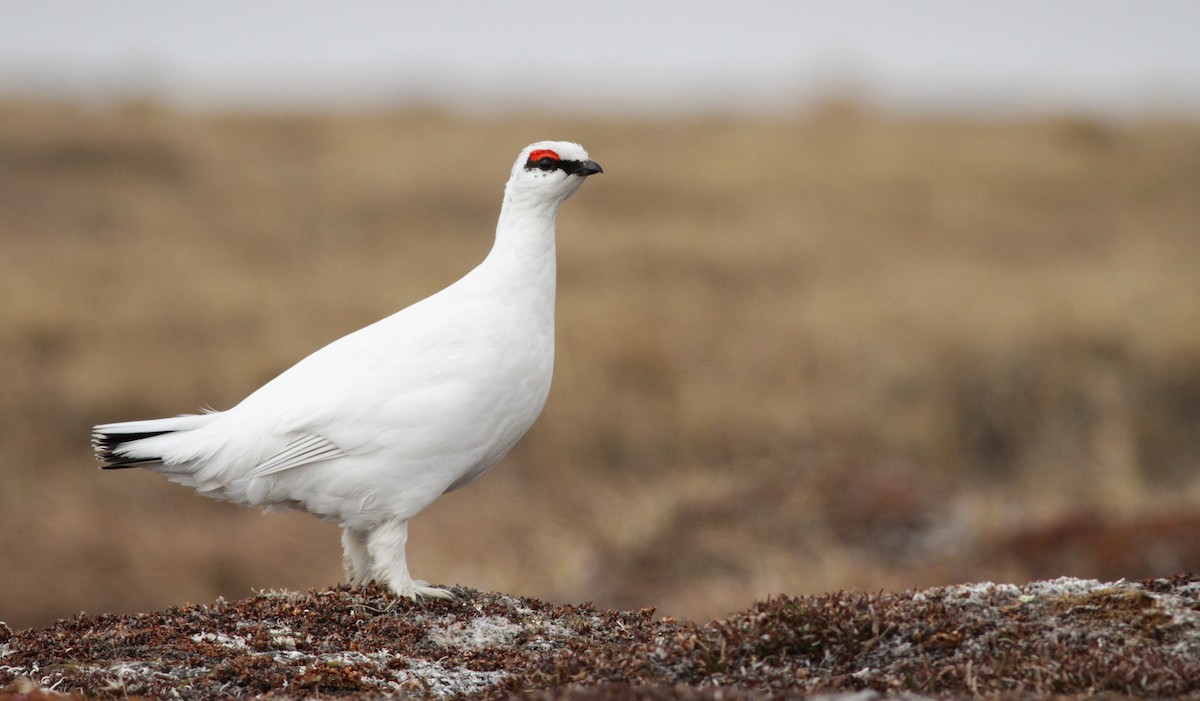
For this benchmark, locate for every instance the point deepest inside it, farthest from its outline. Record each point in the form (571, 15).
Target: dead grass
(802, 355)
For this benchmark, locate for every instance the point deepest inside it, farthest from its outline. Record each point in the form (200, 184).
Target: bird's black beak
(587, 168)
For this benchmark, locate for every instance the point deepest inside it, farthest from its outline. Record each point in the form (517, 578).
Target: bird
(369, 430)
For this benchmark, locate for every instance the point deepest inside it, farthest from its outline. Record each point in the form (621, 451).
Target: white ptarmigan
(369, 430)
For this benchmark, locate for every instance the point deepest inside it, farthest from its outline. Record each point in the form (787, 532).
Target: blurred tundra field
(840, 350)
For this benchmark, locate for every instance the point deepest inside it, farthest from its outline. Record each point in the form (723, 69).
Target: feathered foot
(422, 590)
(385, 547)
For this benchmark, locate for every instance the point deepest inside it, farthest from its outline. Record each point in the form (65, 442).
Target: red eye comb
(543, 153)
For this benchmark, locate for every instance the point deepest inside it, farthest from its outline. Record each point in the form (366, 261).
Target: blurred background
(870, 296)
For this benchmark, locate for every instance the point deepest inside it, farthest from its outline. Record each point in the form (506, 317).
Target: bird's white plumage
(369, 430)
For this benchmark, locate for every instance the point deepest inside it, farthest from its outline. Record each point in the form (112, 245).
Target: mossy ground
(1062, 638)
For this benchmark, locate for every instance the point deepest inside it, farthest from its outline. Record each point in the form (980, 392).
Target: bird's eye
(543, 159)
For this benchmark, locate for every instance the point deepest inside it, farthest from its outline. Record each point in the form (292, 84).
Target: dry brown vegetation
(836, 351)
(1062, 639)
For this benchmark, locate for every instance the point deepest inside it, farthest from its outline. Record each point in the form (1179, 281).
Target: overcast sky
(1097, 55)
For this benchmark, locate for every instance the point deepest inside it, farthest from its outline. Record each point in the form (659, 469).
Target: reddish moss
(1065, 638)
(329, 678)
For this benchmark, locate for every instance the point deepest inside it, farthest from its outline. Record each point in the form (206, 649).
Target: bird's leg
(386, 545)
(355, 558)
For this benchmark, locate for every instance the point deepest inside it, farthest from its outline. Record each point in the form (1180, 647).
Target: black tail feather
(105, 445)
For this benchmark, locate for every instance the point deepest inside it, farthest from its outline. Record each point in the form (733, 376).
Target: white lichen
(445, 682)
(233, 642)
(475, 634)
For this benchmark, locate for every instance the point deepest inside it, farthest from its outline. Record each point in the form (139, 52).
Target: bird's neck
(523, 255)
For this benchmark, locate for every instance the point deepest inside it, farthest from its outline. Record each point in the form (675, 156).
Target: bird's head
(552, 169)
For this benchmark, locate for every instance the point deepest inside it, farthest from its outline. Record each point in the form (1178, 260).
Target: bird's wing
(337, 401)
(304, 449)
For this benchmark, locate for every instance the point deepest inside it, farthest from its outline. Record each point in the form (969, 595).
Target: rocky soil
(1062, 638)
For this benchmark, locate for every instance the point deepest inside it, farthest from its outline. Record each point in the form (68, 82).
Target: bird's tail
(125, 444)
